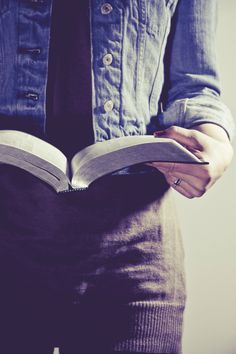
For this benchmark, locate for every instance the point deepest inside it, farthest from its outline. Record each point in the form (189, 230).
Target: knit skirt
(99, 268)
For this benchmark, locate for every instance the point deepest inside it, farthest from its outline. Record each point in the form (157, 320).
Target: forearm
(193, 95)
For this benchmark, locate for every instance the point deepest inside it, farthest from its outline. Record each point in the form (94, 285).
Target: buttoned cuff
(197, 110)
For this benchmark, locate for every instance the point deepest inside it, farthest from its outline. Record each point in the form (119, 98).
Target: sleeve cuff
(197, 110)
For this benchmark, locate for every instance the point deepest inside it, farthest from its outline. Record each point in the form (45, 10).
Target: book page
(34, 146)
(42, 174)
(36, 157)
(106, 157)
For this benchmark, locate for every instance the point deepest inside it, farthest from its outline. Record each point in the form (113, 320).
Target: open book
(48, 163)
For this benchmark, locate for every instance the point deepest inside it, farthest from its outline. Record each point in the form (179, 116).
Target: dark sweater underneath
(69, 118)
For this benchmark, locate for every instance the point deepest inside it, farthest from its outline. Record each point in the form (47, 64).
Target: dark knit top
(69, 118)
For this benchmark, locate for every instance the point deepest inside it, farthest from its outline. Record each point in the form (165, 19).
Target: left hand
(208, 142)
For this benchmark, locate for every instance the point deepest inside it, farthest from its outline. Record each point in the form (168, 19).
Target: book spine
(71, 190)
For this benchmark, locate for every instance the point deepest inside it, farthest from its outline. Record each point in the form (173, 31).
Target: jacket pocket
(153, 36)
(149, 13)
(149, 20)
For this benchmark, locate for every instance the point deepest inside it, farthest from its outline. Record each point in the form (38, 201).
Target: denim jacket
(153, 65)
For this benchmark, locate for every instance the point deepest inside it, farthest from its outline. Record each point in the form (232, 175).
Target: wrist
(220, 136)
(214, 131)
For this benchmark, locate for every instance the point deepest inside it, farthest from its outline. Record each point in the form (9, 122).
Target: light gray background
(209, 230)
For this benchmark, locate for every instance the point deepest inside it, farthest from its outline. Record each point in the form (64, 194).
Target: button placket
(107, 43)
(33, 48)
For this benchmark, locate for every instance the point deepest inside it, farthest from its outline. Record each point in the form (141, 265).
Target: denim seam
(184, 111)
(152, 96)
(121, 68)
(141, 45)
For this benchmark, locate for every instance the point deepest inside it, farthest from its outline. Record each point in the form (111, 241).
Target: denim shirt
(153, 65)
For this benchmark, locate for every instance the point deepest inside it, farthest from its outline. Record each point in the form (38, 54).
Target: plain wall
(209, 230)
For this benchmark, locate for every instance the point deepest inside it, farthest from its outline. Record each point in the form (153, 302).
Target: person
(102, 271)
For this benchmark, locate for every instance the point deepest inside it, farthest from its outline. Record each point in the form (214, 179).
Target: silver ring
(177, 182)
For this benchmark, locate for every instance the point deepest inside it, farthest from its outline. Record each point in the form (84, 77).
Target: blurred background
(209, 230)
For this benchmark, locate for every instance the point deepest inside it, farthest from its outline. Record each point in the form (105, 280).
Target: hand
(208, 142)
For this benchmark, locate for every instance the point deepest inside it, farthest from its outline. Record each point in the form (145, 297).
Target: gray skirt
(108, 260)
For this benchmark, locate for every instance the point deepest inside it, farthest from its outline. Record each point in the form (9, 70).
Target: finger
(193, 187)
(184, 192)
(199, 180)
(190, 138)
(183, 187)
(200, 171)
(198, 184)
(180, 189)
(165, 167)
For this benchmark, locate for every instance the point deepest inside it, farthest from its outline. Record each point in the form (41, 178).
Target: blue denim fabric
(163, 52)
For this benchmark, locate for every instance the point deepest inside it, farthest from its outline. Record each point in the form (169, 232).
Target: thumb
(190, 138)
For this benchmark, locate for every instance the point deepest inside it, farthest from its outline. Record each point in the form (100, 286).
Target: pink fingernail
(159, 133)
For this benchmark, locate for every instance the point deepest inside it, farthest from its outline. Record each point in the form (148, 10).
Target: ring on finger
(177, 182)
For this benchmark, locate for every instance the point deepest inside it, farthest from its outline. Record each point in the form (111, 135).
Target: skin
(208, 142)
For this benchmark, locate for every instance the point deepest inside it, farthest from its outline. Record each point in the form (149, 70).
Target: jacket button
(32, 96)
(32, 51)
(108, 106)
(107, 59)
(106, 8)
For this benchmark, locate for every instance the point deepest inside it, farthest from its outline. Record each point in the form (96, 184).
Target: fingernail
(159, 133)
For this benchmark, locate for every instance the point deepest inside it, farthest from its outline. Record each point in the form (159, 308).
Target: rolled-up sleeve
(193, 95)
